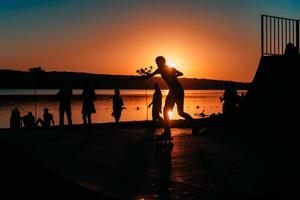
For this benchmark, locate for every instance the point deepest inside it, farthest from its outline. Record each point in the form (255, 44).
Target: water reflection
(195, 102)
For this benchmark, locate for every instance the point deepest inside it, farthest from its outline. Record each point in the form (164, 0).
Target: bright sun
(170, 63)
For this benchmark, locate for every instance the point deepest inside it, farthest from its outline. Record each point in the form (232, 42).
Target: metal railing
(276, 33)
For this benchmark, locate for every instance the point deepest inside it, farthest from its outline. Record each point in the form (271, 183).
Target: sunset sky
(213, 39)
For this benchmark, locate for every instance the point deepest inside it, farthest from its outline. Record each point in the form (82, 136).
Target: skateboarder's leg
(180, 109)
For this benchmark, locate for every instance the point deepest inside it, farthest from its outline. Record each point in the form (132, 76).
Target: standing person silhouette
(88, 96)
(175, 95)
(118, 105)
(64, 96)
(156, 103)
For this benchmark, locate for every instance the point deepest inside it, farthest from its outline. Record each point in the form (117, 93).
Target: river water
(135, 101)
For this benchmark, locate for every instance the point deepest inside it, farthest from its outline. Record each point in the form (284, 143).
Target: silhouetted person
(64, 96)
(230, 99)
(15, 119)
(28, 120)
(175, 95)
(118, 105)
(47, 119)
(88, 107)
(291, 49)
(156, 104)
(224, 99)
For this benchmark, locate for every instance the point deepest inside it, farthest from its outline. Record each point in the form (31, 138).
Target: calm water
(135, 100)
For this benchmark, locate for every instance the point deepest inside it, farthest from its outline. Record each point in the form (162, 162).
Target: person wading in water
(156, 104)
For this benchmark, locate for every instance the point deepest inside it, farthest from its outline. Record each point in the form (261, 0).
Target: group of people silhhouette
(64, 97)
(88, 97)
(175, 95)
(29, 120)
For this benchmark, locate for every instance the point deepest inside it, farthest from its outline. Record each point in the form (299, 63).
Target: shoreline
(180, 123)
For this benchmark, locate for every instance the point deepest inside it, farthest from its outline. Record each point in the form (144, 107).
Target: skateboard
(163, 142)
(163, 138)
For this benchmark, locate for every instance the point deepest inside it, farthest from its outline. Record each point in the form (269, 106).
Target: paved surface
(126, 163)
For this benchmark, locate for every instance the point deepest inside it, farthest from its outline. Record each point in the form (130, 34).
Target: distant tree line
(37, 78)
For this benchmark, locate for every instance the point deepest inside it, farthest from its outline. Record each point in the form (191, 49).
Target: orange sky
(195, 48)
(202, 43)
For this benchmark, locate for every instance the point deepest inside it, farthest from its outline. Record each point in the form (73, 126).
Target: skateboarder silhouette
(175, 95)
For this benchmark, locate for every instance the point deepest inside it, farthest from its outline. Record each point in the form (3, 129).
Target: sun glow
(170, 63)
(170, 114)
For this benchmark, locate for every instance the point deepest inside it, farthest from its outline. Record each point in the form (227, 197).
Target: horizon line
(94, 73)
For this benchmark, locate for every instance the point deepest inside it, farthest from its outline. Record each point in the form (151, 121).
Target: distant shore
(10, 79)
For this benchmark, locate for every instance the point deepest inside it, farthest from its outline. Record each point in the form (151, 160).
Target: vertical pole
(289, 30)
(34, 93)
(267, 27)
(274, 39)
(281, 36)
(297, 34)
(35, 102)
(146, 100)
(270, 35)
(262, 35)
(293, 32)
(278, 51)
(286, 38)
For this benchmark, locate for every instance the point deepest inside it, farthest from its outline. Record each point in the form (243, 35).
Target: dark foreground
(124, 164)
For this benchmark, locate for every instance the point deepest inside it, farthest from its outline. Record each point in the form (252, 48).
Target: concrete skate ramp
(272, 99)
(275, 76)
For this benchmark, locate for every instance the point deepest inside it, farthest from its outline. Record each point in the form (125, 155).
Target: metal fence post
(297, 34)
(262, 35)
(289, 29)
